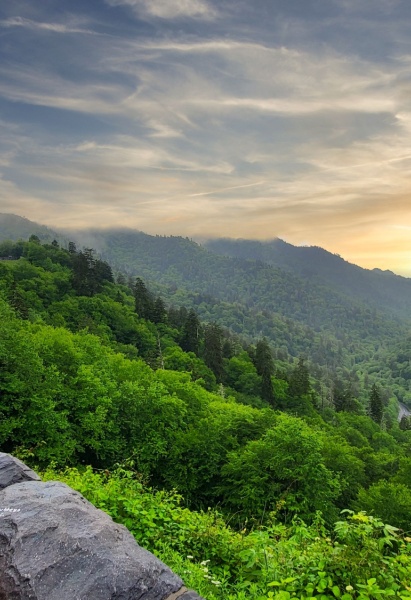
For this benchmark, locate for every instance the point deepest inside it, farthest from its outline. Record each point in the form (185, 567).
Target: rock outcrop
(55, 545)
(12, 471)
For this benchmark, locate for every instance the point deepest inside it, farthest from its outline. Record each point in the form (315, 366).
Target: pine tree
(17, 301)
(300, 380)
(83, 263)
(86, 278)
(265, 368)
(143, 301)
(343, 396)
(102, 273)
(190, 334)
(376, 405)
(213, 350)
(159, 312)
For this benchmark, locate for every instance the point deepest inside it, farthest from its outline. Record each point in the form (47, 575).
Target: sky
(204, 118)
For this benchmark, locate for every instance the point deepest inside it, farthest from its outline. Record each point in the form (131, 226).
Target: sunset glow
(203, 118)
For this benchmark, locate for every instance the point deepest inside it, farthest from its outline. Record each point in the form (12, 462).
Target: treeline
(93, 372)
(274, 296)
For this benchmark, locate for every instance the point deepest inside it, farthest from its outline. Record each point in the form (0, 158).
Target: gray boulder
(12, 471)
(55, 545)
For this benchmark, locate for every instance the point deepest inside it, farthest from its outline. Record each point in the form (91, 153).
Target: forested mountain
(380, 289)
(334, 326)
(340, 293)
(13, 227)
(106, 374)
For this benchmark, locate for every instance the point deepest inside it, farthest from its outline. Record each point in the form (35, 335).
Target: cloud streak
(36, 25)
(170, 9)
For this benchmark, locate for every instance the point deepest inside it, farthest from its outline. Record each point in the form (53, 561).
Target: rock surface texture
(12, 471)
(55, 545)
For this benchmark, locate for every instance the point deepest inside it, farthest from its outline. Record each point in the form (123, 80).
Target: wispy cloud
(37, 25)
(181, 122)
(228, 189)
(170, 9)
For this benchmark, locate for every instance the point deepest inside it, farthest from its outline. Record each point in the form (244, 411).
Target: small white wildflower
(216, 582)
(349, 588)
(190, 557)
(205, 562)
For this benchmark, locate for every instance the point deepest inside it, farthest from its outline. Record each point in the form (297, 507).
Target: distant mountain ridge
(383, 289)
(181, 263)
(279, 284)
(13, 227)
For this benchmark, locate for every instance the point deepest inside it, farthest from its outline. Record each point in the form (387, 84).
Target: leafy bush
(362, 558)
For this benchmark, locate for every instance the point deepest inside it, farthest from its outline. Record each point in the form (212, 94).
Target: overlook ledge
(55, 545)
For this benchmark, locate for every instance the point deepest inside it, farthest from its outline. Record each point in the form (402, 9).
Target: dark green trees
(159, 312)
(190, 334)
(300, 379)
(265, 368)
(89, 273)
(143, 300)
(213, 349)
(376, 404)
(343, 396)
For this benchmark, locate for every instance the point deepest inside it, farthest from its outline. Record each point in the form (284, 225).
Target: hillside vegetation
(228, 458)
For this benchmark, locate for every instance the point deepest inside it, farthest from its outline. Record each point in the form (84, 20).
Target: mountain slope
(181, 263)
(297, 313)
(13, 227)
(381, 289)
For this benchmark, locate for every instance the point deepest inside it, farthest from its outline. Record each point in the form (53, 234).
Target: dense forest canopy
(99, 369)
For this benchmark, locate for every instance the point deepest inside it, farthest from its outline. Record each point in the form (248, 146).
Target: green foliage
(265, 368)
(90, 376)
(376, 404)
(387, 499)
(190, 333)
(283, 471)
(213, 349)
(241, 374)
(363, 558)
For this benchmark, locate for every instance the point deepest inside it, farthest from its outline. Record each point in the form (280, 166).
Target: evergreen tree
(343, 396)
(300, 380)
(265, 368)
(159, 312)
(83, 272)
(17, 301)
(121, 279)
(72, 248)
(143, 301)
(376, 404)
(190, 334)
(228, 349)
(213, 350)
(102, 273)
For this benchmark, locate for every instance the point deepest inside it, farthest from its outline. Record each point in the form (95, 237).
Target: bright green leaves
(283, 471)
(297, 562)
